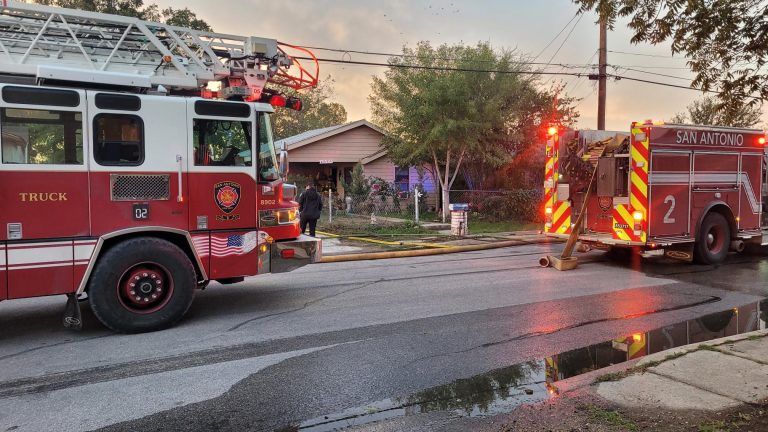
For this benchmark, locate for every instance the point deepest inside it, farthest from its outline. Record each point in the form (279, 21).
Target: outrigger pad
(72, 318)
(560, 263)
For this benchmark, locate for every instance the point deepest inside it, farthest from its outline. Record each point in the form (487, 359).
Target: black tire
(142, 284)
(713, 239)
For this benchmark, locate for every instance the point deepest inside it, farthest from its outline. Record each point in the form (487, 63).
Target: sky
(525, 26)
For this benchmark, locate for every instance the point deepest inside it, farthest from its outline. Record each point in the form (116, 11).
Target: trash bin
(459, 219)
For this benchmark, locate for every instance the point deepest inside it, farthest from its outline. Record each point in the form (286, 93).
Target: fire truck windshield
(267, 159)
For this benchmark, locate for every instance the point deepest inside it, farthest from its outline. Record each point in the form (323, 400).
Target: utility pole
(601, 89)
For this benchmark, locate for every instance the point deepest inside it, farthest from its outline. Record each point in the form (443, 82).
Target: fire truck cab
(137, 162)
(684, 191)
(135, 200)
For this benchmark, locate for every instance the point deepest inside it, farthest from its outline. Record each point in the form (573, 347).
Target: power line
(649, 73)
(533, 72)
(385, 54)
(556, 36)
(646, 55)
(534, 63)
(658, 67)
(566, 39)
(442, 68)
(580, 81)
(676, 86)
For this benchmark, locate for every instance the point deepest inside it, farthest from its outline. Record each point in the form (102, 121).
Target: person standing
(310, 206)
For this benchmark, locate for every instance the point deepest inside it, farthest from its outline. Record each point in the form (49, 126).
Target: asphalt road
(276, 351)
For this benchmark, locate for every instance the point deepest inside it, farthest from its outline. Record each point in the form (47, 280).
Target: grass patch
(483, 227)
(714, 426)
(756, 337)
(351, 226)
(610, 417)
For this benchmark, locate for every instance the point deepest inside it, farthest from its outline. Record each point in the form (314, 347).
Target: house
(328, 156)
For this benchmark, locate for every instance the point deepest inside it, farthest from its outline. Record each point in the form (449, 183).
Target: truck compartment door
(670, 186)
(751, 191)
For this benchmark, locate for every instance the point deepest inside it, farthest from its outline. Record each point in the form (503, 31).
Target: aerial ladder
(42, 44)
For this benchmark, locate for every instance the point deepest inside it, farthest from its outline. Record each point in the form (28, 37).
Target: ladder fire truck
(684, 191)
(138, 163)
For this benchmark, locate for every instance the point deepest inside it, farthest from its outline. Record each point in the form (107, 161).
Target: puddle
(501, 390)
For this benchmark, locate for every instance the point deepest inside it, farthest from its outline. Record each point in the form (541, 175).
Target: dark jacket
(310, 204)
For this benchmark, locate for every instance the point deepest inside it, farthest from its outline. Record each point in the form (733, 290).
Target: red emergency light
(761, 140)
(287, 102)
(552, 130)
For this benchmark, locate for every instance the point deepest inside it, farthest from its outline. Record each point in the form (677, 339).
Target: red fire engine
(680, 190)
(119, 183)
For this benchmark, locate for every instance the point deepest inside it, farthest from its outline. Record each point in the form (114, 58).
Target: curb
(685, 349)
(428, 252)
(588, 379)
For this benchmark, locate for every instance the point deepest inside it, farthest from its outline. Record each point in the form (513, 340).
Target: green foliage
(610, 417)
(519, 205)
(707, 111)
(184, 18)
(318, 111)
(446, 118)
(359, 187)
(135, 8)
(725, 41)
(300, 180)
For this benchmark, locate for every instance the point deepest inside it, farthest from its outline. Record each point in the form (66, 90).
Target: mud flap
(72, 318)
(680, 251)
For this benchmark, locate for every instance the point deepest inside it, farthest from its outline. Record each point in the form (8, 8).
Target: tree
(445, 118)
(318, 111)
(135, 8)
(184, 18)
(705, 112)
(726, 42)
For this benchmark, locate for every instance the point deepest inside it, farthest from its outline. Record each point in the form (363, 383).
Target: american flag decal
(226, 245)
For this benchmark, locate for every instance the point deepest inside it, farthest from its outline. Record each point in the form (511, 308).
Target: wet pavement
(471, 334)
(501, 390)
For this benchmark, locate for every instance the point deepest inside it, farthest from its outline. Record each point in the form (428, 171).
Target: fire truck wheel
(141, 284)
(713, 240)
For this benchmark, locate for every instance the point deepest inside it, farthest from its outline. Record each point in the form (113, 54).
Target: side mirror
(284, 164)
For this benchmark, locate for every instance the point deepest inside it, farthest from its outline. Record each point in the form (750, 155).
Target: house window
(402, 179)
(44, 137)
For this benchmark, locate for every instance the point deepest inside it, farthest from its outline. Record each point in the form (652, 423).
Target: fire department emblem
(605, 203)
(227, 195)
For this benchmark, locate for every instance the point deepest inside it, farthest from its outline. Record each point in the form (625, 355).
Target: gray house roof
(313, 135)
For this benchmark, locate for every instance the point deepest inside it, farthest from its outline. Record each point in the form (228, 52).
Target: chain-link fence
(518, 205)
(506, 208)
(377, 207)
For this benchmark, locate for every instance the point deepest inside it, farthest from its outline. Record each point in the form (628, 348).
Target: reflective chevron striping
(623, 220)
(562, 218)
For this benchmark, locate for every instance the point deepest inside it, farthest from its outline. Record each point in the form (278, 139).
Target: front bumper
(291, 254)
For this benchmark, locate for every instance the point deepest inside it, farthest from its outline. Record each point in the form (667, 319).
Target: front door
(222, 180)
(44, 194)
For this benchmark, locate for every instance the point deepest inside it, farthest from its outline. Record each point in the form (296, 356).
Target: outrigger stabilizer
(566, 261)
